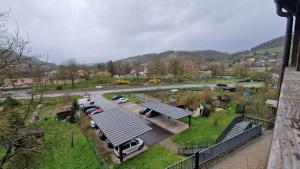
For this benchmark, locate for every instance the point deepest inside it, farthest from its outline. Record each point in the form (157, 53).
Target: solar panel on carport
(119, 125)
(167, 110)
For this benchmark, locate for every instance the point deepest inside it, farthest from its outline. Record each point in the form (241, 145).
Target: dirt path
(254, 155)
(170, 145)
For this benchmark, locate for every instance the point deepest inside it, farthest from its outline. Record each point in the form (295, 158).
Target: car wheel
(124, 155)
(141, 147)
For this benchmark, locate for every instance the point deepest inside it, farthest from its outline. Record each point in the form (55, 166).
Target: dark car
(85, 108)
(221, 85)
(88, 111)
(151, 113)
(144, 110)
(116, 97)
(101, 136)
(109, 144)
(95, 112)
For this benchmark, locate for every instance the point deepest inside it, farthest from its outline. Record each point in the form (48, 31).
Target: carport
(167, 110)
(120, 126)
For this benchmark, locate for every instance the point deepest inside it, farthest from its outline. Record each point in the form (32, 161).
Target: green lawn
(156, 157)
(131, 96)
(203, 130)
(77, 85)
(58, 152)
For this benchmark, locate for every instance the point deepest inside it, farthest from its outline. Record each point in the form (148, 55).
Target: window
(125, 146)
(134, 143)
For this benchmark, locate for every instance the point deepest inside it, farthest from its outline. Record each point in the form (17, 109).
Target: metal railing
(98, 154)
(188, 163)
(202, 157)
(237, 119)
(268, 124)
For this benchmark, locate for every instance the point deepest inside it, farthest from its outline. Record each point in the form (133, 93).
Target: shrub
(59, 87)
(216, 117)
(154, 81)
(122, 82)
(11, 102)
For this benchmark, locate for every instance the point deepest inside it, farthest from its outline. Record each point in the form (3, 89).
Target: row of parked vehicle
(148, 112)
(120, 99)
(87, 105)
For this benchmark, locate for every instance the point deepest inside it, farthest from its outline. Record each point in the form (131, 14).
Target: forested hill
(277, 42)
(208, 55)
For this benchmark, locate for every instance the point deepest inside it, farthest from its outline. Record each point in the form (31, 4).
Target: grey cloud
(101, 30)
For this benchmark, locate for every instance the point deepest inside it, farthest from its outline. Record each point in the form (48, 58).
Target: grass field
(203, 130)
(156, 157)
(58, 152)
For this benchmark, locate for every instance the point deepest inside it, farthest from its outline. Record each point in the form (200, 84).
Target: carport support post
(197, 160)
(121, 153)
(190, 121)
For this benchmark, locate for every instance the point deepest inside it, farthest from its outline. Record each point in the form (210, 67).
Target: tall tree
(72, 70)
(157, 67)
(174, 66)
(189, 68)
(216, 68)
(241, 70)
(12, 46)
(111, 67)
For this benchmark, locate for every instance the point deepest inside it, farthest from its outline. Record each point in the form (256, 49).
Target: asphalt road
(101, 92)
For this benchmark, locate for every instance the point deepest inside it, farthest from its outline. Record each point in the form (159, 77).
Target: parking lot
(154, 136)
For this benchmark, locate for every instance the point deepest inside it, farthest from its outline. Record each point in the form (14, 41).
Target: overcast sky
(102, 30)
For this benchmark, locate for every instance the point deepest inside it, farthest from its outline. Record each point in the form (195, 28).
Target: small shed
(230, 88)
(63, 112)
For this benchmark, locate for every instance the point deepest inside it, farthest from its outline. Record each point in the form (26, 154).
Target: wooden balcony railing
(285, 148)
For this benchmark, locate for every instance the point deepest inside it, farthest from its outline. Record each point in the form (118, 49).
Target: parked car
(90, 110)
(109, 144)
(144, 110)
(129, 147)
(85, 108)
(101, 135)
(93, 124)
(151, 113)
(116, 97)
(221, 85)
(95, 112)
(85, 102)
(122, 100)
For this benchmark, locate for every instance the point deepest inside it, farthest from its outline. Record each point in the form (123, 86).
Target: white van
(130, 147)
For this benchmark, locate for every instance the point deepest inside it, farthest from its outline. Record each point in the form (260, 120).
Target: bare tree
(86, 72)
(136, 64)
(12, 46)
(111, 67)
(174, 66)
(216, 68)
(19, 146)
(157, 67)
(72, 70)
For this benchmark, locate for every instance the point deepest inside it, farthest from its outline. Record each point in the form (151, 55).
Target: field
(203, 130)
(58, 152)
(156, 157)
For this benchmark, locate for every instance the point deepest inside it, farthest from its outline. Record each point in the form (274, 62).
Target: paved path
(253, 155)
